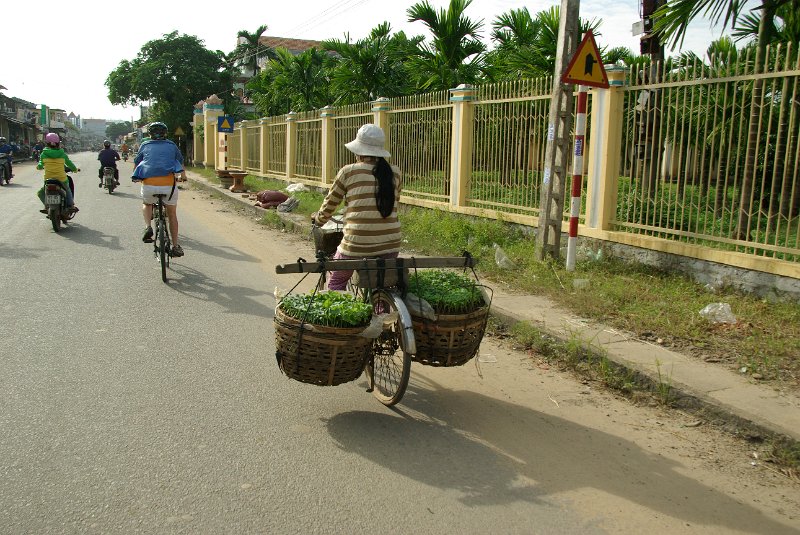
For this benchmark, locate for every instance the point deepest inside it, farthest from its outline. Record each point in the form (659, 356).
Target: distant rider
(108, 158)
(53, 160)
(6, 147)
(124, 149)
(157, 163)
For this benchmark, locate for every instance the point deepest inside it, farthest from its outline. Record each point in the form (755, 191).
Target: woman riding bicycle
(370, 189)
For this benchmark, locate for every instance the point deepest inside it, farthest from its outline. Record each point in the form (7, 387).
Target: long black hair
(384, 195)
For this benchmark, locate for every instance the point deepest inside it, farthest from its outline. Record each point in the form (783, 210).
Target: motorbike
(125, 156)
(55, 202)
(109, 182)
(5, 168)
(35, 155)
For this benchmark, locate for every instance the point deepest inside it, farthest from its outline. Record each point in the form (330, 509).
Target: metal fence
(710, 153)
(234, 153)
(346, 123)
(253, 139)
(276, 148)
(309, 147)
(510, 136)
(420, 137)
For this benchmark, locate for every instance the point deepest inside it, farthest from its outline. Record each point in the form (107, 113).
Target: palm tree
(371, 67)
(292, 83)
(672, 21)
(249, 52)
(455, 54)
(526, 45)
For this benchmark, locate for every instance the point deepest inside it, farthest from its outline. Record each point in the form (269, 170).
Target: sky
(65, 66)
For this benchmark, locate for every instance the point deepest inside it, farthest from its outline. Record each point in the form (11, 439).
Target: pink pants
(338, 279)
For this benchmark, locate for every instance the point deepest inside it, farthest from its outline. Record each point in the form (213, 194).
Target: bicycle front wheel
(389, 367)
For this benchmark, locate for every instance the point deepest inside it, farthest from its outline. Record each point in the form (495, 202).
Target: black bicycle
(161, 245)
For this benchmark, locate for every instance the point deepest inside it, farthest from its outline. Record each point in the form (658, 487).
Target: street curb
(682, 396)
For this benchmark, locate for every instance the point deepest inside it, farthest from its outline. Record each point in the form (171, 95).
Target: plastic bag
(501, 258)
(718, 313)
(294, 188)
(375, 327)
(419, 307)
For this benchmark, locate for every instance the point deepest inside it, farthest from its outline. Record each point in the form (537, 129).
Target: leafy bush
(446, 291)
(331, 309)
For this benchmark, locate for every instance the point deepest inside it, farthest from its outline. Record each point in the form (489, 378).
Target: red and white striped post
(577, 177)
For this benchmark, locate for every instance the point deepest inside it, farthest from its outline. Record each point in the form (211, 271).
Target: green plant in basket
(331, 309)
(447, 292)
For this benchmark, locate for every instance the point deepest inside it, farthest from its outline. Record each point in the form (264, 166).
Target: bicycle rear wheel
(389, 367)
(162, 240)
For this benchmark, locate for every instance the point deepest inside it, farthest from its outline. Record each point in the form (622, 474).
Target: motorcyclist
(7, 148)
(37, 150)
(54, 161)
(108, 158)
(124, 150)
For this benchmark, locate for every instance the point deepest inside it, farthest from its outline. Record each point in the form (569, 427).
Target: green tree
(455, 54)
(525, 46)
(119, 128)
(372, 67)
(248, 51)
(292, 83)
(171, 73)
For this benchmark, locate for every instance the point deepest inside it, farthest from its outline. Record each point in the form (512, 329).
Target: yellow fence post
(605, 151)
(264, 125)
(328, 145)
(380, 112)
(198, 126)
(291, 144)
(212, 108)
(463, 98)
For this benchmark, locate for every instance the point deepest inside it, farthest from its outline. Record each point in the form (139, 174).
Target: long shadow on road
(235, 299)
(85, 235)
(228, 253)
(497, 453)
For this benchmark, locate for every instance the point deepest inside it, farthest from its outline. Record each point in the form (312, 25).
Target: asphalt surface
(133, 406)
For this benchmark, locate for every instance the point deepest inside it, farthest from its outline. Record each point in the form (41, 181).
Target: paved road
(133, 406)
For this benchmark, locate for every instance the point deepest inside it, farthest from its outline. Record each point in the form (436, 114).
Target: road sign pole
(577, 176)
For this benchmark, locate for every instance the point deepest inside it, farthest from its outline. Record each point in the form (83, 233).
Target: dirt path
(626, 467)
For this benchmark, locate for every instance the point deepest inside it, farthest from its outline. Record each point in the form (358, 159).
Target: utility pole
(650, 149)
(551, 208)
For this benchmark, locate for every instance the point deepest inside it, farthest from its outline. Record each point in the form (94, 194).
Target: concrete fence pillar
(212, 109)
(463, 98)
(605, 151)
(198, 135)
(328, 156)
(291, 144)
(380, 112)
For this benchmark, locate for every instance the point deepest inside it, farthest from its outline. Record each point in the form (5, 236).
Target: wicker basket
(450, 340)
(327, 240)
(324, 356)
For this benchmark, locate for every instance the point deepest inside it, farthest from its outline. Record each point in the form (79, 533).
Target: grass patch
(651, 303)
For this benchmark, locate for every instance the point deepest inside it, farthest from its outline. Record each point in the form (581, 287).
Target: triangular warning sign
(225, 124)
(586, 66)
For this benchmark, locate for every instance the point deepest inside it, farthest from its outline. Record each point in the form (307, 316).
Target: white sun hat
(369, 142)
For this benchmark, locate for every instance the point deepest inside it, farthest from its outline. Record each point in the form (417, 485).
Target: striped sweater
(366, 232)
